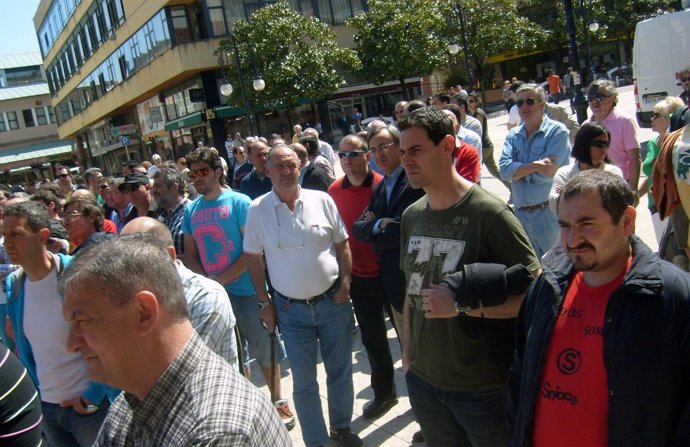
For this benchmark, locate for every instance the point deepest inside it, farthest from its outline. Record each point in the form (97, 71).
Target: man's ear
(628, 218)
(148, 311)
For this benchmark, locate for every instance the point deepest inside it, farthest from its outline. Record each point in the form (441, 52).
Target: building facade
(29, 141)
(129, 79)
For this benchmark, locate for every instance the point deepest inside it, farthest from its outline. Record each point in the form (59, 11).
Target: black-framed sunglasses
(655, 115)
(63, 175)
(522, 102)
(128, 187)
(600, 144)
(104, 186)
(597, 97)
(351, 154)
(685, 79)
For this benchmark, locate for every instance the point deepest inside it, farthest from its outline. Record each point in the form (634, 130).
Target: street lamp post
(454, 48)
(592, 27)
(226, 88)
(579, 101)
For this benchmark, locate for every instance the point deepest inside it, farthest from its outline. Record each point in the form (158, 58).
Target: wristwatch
(461, 310)
(264, 304)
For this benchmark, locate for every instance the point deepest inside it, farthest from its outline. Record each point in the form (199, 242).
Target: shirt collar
(368, 180)
(394, 176)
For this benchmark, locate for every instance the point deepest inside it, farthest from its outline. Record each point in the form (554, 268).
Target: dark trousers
(368, 300)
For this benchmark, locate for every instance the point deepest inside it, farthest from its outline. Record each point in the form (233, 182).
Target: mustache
(581, 246)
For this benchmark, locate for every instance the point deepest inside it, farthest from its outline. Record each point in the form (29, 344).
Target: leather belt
(313, 299)
(535, 207)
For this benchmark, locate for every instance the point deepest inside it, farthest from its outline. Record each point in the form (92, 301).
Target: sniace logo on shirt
(568, 363)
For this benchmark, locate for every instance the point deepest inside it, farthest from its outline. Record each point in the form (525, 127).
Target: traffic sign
(125, 141)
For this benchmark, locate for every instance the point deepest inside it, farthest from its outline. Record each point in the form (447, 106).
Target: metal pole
(245, 96)
(580, 103)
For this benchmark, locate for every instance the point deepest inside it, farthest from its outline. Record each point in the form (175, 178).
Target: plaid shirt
(210, 313)
(173, 220)
(199, 400)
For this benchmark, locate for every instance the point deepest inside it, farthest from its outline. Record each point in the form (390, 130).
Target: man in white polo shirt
(304, 241)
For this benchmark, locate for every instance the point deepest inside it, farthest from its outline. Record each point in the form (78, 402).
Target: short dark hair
(456, 111)
(612, 188)
(583, 140)
(207, 156)
(45, 196)
(89, 208)
(311, 144)
(36, 214)
(413, 105)
(393, 131)
(436, 123)
(171, 177)
(443, 97)
(128, 265)
(461, 99)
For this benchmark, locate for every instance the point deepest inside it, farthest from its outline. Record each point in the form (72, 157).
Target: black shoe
(418, 437)
(344, 437)
(378, 407)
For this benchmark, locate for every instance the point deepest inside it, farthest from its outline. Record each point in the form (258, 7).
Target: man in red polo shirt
(351, 194)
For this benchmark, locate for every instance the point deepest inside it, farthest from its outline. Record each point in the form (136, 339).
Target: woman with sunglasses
(660, 123)
(474, 101)
(590, 151)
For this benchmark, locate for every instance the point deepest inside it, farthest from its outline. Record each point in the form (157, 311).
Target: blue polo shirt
(255, 186)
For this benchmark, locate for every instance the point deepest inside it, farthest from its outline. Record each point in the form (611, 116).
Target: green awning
(185, 121)
(228, 111)
(43, 152)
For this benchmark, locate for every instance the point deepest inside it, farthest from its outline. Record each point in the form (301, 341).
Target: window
(3, 125)
(28, 118)
(41, 118)
(180, 24)
(12, 120)
(51, 114)
(23, 75)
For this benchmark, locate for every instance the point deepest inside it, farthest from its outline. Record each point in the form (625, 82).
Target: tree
(400, 39)
(490, 29)
(297, 57)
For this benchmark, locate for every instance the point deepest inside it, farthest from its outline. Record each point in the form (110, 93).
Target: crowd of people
(139, 303)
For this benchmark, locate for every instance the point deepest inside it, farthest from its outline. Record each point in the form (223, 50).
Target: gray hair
(171, 176)
(280, 146)
(392, 130)
(119, 269)
(534, 88)
(609, 86)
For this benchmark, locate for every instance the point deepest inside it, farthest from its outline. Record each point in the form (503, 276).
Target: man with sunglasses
(351, 194)
(137, 187)
(532, 154)
(624, 150)
(64, 179)
(213, 227)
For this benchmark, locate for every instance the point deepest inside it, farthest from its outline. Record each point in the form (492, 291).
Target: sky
(17, 33)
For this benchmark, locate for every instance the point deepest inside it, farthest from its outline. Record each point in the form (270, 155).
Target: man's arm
(405, 340)
(344, 257)
(634, 172)
(191, 258)
(256, 267)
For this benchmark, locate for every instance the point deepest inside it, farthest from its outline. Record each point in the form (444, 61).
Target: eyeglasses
(63, 175)
(600, 144)
(685, 79)
(72, 215)
(383, 147)
(522, 102)
(351, 154)
(102, 187)
(597, 97)
(471, 101)
(655, 115)
(203, 172)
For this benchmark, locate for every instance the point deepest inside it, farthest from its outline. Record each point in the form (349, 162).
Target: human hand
(268, 317)
(438, 302)
(78, 406)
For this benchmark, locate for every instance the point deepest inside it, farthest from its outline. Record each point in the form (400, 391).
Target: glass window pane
(12, 120)
(28, 118)
(51, 114)
(41, 116)
(217, 22)
(3, 126)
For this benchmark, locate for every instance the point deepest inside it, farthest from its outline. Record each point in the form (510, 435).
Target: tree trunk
(402, 88)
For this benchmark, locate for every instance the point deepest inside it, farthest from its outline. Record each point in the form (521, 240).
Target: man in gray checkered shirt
(128, 318)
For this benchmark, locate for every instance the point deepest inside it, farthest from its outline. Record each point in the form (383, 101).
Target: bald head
(150, 226)
(83, 193)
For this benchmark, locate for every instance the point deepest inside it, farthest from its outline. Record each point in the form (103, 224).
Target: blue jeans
(64, 427)
(256, 339)
(541, 226)
(454, 418)
(305, 328)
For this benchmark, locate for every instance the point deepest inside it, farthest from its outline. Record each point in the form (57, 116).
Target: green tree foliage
(490, 28)
(297, 57)
(400, 39)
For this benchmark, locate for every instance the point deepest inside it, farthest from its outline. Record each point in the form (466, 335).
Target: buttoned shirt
(173, 220)
(210, 312)
(550, 140)
(199, 400)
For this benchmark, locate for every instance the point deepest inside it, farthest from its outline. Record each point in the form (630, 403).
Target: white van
(660, 52)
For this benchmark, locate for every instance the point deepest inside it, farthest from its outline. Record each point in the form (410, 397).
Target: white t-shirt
(514, 117)
(298, 246)
(62, 375)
